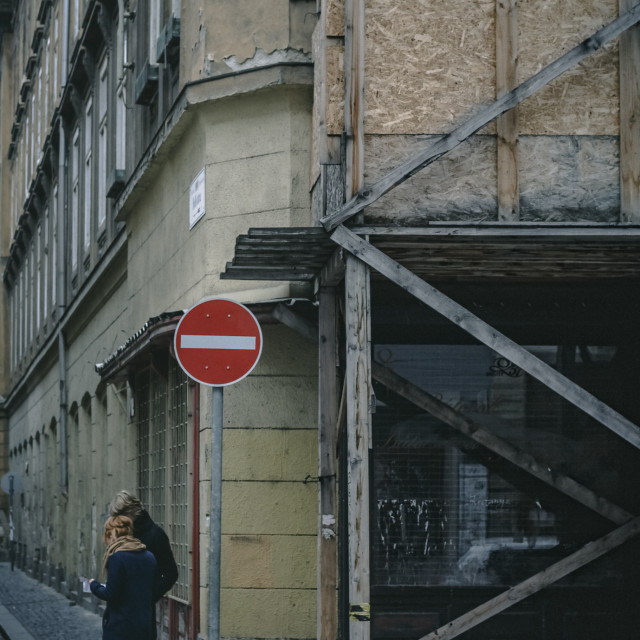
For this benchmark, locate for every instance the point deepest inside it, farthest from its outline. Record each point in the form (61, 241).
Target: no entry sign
(218, 342)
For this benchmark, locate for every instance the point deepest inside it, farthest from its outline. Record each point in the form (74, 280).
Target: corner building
(433, 210)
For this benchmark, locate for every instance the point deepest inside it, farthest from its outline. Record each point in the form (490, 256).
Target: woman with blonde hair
(132, 586)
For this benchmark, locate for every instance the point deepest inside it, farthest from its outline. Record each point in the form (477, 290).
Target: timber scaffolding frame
(335, 254)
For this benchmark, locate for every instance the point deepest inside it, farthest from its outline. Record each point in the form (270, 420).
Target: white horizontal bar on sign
(218, 342)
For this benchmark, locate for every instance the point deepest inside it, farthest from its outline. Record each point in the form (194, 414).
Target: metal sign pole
(215, 522)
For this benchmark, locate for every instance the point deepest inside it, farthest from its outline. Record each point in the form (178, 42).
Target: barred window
(163, 467)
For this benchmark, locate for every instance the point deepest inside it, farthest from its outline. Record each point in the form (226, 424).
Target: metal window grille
(177, 515)
(142, 409)
(447, 512)
(163, 469)
(157, 451)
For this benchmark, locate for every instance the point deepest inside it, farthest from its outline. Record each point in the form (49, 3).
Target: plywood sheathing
(334, 12)
(585, 99)
(459, 186)
(562, 178)
(335, 88)
(569, 179)
(428, 64)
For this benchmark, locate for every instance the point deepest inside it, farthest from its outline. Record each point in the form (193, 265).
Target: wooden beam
(332, 273)
(526, 462)
(591, 551)
(358, 383)
(507, 123)
(354, 94)
(487, 334)
(285, 314)
(548, 231)
(629, 121)
(327, 586)
(446, 143)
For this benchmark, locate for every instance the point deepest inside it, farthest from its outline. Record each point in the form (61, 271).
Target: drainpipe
(61, 266)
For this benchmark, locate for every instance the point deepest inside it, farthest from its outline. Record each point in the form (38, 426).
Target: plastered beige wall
(220, 36)
(255, 155)
(101, 449)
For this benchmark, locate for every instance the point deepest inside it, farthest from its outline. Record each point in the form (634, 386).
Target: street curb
(11, 628)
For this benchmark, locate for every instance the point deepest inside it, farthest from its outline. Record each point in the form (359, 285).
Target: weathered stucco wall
(222, 36)
(255, 157)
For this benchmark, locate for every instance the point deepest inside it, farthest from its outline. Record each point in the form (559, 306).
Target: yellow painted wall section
(278, 613)
(270, 494)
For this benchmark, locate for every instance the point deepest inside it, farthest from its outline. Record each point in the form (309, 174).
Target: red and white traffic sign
(218, 342)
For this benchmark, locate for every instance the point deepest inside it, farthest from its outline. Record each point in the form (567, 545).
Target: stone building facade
(433, 210)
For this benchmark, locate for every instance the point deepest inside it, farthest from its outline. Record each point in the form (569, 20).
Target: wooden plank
(521, 459)
(548, 576)
(332, 273)
(358, 390)
(258, 272)
(487, 335)
(327, 588)
(548, 231)
(285, 314)
(354, 94)
(507, 123)
(629, 121)
(443, 145)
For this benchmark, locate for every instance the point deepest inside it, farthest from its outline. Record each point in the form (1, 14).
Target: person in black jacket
(132, 586)
(150, 534)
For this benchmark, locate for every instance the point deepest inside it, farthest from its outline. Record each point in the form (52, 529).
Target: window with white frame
(121, 127)
(102, 144)
(54, 246)
(45, 265)
(32, 291)
(47, 82)
(55, 56)
(75, 196)
(38, 284)
(88, 186)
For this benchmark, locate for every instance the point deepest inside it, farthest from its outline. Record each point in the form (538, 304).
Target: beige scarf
(124, 543)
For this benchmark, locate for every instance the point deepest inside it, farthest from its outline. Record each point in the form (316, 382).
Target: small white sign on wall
(196, 199)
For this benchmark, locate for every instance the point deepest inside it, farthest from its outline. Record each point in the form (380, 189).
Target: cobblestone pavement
(42, 611)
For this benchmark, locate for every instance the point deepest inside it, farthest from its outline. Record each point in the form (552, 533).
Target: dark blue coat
(130, 593)
(156, 541)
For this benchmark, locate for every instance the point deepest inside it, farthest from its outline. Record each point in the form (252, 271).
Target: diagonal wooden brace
(487, 334)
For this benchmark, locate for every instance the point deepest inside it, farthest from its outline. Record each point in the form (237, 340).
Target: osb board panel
(459, 186)
(427, 64)
(569, 179)
(585, 99)
(333, 11)
(335, 88)
(562, 179)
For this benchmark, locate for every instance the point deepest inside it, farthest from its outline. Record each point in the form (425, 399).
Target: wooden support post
(327, 610)
(487, 334)
(507, 123)
(354, 94)
(358, 389)
(629, 120)
(555, 572)
(564, 484)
